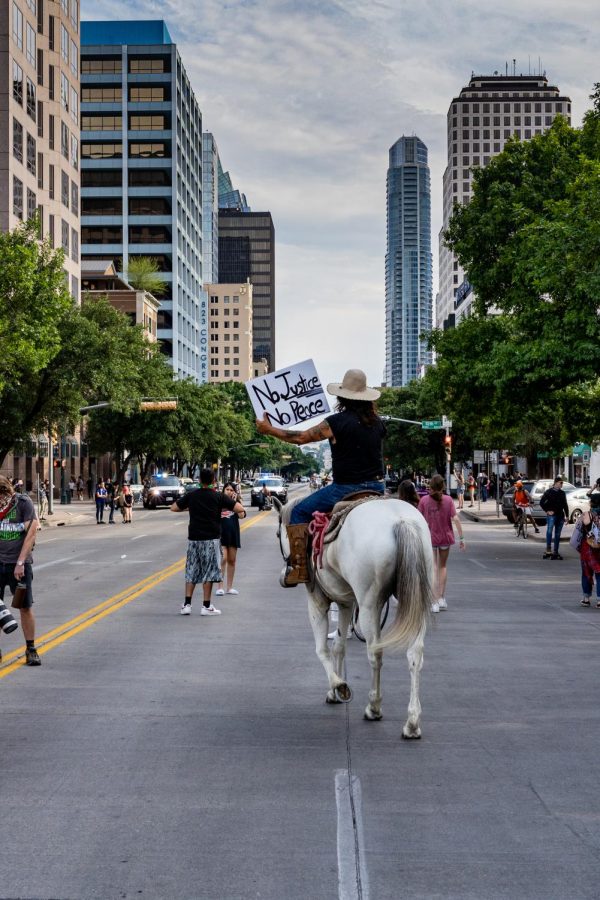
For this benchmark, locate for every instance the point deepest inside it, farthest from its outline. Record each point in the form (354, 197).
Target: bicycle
(521, 523)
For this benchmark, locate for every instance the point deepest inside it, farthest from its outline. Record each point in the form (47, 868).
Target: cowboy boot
(297, 564)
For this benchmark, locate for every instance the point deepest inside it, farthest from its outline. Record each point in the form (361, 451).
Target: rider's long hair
(364, 409)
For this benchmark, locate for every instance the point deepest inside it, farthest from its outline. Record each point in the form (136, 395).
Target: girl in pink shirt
(440, 514)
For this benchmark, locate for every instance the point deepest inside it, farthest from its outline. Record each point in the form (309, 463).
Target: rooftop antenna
(530, 63)
(514, 67)
(506, 68)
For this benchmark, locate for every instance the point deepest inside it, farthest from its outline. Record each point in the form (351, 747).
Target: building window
(31, 155)
(154, 94)
(51, 230)
(154, 65)
(40, 119)
(17, 33)
(148, 151)
(30, 48)
(65, 236)
(51, 91)
(74, 105)
(74, 198)
(102, 66)
(64, 140)
(74, 152)
(73, 57)
(31, 104)
(40, 170)
(51, 182)
(101, 123)
(64, 43)
(31, 204)
(74, 245)
(147, 123)
(17, 140)
(109, 94)
(64, 189)
(17, 83)
(75, 12)
(17, 197)
(64, 91)
(102, 151)
(51, 128)
(32, 6)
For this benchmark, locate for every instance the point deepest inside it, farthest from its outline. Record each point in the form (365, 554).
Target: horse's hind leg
(317, 613)
(412, 726)
(342, 693)
(369, 622)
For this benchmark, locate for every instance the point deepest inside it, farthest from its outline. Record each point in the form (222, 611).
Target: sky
(306, 98)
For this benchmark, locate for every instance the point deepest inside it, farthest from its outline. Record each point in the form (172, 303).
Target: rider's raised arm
(320, 432)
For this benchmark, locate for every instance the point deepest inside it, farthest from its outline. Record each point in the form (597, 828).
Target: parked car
(536, 490)
(161, 490)
(136, 490)
(578, 502)
(275, 484)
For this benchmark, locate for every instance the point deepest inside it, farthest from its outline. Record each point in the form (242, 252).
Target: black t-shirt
(357, 453)
(205, 505)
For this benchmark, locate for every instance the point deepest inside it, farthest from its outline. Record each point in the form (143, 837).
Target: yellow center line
(16, 658)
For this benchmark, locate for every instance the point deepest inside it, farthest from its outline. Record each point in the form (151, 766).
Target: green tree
(33, 300)
(144, 275)
(528, 240)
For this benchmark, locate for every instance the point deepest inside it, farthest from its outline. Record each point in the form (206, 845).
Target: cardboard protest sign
(289, 396)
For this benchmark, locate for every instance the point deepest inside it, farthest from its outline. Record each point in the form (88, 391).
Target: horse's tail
(413, 587)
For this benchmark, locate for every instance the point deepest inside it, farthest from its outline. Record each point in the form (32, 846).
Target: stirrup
(283, 576)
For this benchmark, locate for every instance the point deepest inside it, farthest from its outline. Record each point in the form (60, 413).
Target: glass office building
(141, 173)
(247, 252)
(408, 262)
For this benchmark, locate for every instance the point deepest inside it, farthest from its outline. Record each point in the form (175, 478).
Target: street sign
(446, 422)
(479, 456)
(493, 456)
(431, 423)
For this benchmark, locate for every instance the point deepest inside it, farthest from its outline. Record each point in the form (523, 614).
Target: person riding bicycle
(523, 506)
(355, 433)
(264, 497)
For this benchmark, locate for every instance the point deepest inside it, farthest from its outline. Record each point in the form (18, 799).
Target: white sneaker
(186, 609)
(210, 611)
(442, 603)
(233, 591)
(219, 592)
(435, 607)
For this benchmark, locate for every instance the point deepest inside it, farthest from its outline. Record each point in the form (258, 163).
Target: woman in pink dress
(440, 514)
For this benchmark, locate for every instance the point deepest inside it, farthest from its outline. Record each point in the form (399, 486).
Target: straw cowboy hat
(353, 387)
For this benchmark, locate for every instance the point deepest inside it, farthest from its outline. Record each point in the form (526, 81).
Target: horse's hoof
(331, 698)
(343, 693)
(411, 734)
(371, 716)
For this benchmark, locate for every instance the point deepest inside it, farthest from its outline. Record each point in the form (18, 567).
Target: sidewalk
(486, 513)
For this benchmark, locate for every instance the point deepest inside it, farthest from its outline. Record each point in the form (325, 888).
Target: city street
(172, 758)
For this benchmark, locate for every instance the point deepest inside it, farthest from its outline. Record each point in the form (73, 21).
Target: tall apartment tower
(487, 112)
(408, 262)
(230, 332)
(141, 149)
(210, 208)
(247, 252)
(39, 122)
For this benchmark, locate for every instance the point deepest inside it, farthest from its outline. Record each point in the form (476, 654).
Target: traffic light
(448, 446)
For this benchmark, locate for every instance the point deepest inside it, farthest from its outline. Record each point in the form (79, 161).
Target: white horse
(383, 548)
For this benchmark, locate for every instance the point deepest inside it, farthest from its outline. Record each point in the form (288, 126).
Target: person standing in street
(471, 488)
(18, 529)
(100, 502)
(230, 541)
(440, 514)
(460, 488)
(111, 490)
(80, 486)
(127, 500)
(589, 548)
(554, 503)
(203, 562)
(42, 501)
(90, 485)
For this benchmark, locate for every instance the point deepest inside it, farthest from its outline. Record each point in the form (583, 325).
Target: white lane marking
(352, 871)
(53, 562)
(137, 537)
(477, 563)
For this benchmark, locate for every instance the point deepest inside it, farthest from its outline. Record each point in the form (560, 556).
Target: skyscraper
(247, 251)
(142, 173)
(487, 112)
(408, 262)
(39, 122)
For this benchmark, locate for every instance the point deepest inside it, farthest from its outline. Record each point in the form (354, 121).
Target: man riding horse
(355, 433)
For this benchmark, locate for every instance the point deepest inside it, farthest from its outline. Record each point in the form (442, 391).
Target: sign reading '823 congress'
(289, 396)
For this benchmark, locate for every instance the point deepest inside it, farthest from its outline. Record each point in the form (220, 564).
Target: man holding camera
(18, 529)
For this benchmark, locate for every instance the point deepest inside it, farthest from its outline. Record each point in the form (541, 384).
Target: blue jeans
(554, 523)
(325, 499)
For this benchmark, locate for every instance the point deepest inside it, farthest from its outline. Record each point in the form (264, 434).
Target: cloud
(305, 98)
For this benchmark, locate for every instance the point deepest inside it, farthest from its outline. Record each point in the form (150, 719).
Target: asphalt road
(159, 756)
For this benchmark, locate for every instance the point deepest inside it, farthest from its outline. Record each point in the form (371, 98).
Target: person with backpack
(554, 504)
